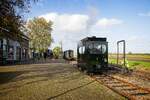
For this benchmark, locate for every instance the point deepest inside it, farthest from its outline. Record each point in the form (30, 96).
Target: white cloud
(105, 22)
(144, 14)
(70, 28)
(49, 16)
(70, 23)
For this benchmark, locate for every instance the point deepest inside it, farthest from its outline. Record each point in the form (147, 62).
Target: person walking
(45, 55)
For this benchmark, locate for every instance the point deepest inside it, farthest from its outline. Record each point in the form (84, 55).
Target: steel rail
(103, 80)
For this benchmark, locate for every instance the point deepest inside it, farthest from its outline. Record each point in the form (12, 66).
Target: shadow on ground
(5, 77)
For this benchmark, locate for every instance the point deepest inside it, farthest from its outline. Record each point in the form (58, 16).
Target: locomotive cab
(93, 54)
(68, 55)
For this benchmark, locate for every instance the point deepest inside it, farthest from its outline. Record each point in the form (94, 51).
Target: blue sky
(114, 19)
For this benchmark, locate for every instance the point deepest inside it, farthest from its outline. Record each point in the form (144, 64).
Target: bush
(56, 52)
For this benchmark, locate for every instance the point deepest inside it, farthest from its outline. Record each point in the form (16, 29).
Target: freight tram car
(92, 54)
(68, 55)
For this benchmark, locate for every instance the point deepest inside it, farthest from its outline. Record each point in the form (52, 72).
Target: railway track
(122, 87)
(129, 90)
(141, 74)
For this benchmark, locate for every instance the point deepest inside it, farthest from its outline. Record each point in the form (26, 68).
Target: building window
(23, 53)
(1, 50)
(18, 53)
(4, 51)
(0, 44)
(10, 53)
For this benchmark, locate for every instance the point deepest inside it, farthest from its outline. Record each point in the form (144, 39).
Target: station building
(12, 49)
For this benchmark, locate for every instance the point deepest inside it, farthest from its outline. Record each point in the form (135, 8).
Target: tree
(130, 53)
(56, 51)
(11, 16)
(39, 34)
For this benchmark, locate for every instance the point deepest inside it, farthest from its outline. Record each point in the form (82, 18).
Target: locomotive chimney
(93, 36)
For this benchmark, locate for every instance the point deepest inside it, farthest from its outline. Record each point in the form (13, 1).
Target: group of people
(44, 55)
(47, 55)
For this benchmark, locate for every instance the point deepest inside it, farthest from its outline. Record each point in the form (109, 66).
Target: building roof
(7, 33)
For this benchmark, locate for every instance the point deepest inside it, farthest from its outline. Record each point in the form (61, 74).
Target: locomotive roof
(94, 39)
(68, 50)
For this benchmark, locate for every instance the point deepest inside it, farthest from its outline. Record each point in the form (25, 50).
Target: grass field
(134, 61)
(131, 56)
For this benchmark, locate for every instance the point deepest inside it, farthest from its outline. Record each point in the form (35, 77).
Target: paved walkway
(57, 81)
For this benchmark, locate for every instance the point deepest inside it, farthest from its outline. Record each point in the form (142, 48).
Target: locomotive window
(90, 46)
(97, 48)
(103, 48)
(83, 49)
(80, 50)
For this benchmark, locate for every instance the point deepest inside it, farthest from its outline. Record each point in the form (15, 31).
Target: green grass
(139, 64)
(112, 61)
(137, 56)
(134, 64)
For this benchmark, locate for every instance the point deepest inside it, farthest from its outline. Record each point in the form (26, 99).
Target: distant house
(13, 49)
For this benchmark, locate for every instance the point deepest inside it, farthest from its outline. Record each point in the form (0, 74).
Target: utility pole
(61, 46)
(61, 53)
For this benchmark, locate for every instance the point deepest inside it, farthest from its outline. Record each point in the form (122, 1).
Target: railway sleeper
(129, 89)
(120, 85)
(124, 88)
(133, 95)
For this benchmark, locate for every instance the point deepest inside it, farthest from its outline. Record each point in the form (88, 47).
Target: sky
(74, 20)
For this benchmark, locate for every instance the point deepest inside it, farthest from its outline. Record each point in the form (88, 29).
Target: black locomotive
(68, 55)
(92, 54)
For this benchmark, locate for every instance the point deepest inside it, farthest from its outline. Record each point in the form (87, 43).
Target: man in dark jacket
(45, 55)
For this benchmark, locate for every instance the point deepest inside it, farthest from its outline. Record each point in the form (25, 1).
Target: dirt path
(57, 81)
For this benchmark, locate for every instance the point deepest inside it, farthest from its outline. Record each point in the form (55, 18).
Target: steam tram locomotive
(92, 54)
(68, 55)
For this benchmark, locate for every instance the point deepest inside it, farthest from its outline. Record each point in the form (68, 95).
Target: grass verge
(134, 64)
